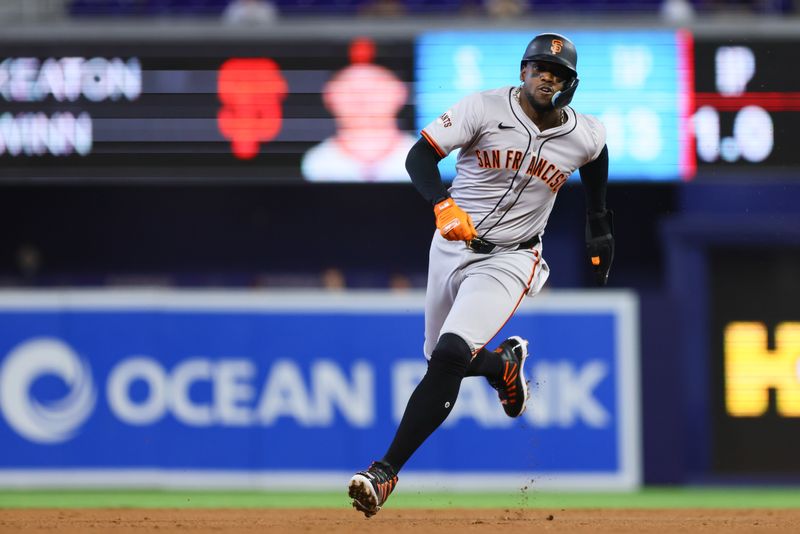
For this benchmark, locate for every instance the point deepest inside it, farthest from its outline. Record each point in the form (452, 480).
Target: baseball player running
(519, 144)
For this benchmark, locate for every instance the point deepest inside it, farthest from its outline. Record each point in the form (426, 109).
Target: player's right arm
(422, 165)
(453, 129)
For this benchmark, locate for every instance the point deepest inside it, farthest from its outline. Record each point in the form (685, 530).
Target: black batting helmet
(555, 48)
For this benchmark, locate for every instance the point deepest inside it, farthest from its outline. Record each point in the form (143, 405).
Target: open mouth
(546, 90)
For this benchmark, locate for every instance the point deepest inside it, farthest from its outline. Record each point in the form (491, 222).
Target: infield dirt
(336, 521)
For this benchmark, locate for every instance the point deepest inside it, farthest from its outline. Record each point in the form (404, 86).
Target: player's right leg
(427, 408)
(370, 488)
(445, 275)
(435, 395)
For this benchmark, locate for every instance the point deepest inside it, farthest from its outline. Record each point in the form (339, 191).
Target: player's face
(541, 80)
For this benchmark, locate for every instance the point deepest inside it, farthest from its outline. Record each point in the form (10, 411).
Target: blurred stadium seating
(320, 7)
(88, 8)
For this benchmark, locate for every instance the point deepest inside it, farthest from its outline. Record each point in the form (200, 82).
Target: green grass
(648, 498)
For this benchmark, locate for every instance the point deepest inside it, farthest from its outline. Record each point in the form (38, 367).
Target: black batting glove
(600, 243)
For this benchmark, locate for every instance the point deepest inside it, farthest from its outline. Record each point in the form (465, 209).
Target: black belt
(481, 246)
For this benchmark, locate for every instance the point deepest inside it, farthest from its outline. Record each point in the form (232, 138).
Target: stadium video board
(262, 111)
(637, 83)
(747, 107)
(278, 111)
(755, 367)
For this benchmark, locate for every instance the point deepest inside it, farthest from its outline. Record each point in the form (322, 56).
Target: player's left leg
(484, 363)
(504, 369)
(496, 287)
(511, 384)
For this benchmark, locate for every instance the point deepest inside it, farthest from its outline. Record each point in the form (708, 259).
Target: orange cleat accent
(512, 388)
(369, 489)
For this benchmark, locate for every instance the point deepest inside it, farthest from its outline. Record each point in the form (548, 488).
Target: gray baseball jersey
(507, 176)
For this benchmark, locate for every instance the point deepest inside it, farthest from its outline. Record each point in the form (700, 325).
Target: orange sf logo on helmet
(556, 45)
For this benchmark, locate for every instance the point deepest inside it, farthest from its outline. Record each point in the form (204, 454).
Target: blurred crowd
(31, 270)
(267, 11)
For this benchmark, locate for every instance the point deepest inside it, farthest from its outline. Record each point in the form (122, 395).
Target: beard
(539, 107)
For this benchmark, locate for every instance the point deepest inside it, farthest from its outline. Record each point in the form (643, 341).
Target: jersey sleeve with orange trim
(457, 126)
(597, 135)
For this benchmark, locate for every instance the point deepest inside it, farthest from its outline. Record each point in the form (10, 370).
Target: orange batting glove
(453, 223)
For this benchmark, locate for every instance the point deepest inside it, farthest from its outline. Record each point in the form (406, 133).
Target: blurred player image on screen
(364, 99)
(519, 144)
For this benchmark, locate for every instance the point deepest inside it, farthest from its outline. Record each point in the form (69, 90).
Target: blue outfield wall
(263, 389)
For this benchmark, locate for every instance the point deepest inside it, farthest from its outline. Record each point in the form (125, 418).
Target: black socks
(432, 400)
(486, 363)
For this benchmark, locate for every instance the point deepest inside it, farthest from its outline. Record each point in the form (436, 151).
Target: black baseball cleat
(369, 489)
(512, 388)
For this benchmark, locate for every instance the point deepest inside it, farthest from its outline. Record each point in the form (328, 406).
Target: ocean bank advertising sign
(277, 389)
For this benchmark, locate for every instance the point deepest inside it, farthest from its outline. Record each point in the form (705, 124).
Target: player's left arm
(599, 219)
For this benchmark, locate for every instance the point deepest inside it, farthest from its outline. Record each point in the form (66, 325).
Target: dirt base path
(327, 521)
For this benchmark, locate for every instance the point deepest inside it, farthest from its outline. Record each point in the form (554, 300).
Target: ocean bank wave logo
(54, 421)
